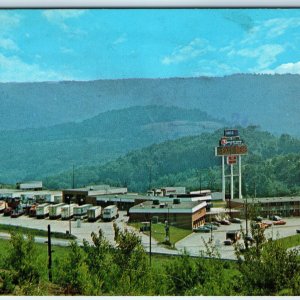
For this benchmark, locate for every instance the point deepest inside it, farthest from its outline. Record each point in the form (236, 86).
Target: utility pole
(150, 176)
(150, 253)
(73, 179)
(49, 255)
(246, 215)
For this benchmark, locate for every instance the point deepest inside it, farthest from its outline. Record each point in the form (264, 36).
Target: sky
(91, 44)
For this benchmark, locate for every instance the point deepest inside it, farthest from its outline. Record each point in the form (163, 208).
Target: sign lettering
(231, 150)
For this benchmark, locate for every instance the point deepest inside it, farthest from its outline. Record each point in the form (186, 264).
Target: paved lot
(82, 232)
(194, 242)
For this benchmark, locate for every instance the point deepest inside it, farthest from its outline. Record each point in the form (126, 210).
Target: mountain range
(271, 101)
(33, 153)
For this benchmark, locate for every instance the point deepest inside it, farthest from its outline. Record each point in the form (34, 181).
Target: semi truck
(55, 210)
(42, 211)
(67, 211)
(80, 212)
(110, 213)
(94, 213)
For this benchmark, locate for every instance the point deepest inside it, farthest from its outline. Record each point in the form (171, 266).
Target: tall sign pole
(231, 181)
(223, 178)
(240, 177)
(232, 148)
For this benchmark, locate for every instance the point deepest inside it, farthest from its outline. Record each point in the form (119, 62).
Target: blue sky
(90, 44)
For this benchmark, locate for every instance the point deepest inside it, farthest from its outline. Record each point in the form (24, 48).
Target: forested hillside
(33, 153)
(270, 101)
(272, 166)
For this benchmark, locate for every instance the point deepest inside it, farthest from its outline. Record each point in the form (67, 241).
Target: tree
(73, 273)
(267, 268)
(22, 260)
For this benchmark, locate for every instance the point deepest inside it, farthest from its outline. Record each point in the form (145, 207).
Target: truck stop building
(181, 214)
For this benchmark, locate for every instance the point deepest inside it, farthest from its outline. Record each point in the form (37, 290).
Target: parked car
(235, 220)
(275, 218)
(211, 226)
(225, 222)
(280, 222)
(267, 224)
(261, 225)
(228, 242)
(298, 230)
(258, 219)
(216, 224)
(202, 229)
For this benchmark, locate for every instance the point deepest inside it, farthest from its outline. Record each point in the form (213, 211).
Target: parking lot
(81, 231)
(194, 242)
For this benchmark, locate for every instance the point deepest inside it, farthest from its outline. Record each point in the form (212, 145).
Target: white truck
(110, 213)
(55, 210)
(67, 211)
(42, 211)
(94, 213)
(80, 212)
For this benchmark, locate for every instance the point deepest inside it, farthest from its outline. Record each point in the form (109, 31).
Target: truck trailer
(94, 213)
(80, 212)
(110, 213)
(55, 210)
(42, 211)
(67, 211)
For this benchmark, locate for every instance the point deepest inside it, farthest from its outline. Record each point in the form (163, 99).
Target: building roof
(268, 200)
(182, 207)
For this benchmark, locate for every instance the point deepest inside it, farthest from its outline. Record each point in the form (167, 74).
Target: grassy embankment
(35, 232)
(159, 232)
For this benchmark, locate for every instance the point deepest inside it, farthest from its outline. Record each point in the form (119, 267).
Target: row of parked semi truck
(68, 211)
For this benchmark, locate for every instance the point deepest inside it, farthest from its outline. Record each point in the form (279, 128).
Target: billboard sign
(231, 159)
(231, 150)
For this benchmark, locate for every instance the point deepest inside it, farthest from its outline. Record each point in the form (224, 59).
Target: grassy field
(35, 232)
(290, 241)
(159, 232)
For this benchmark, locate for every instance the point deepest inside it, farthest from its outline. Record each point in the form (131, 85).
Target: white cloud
(8, 20)
(288, 68)
(270, 29)
(120, 40)
(66, 50)
(8, 44)
(13, 69)
(58, 15)
(278, 26)
(265, 55)
(194, 49)
(214, 68)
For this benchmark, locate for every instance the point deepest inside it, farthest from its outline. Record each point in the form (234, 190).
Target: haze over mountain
(271, 101)
(33, 153)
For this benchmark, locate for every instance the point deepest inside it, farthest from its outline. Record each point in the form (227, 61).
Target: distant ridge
(272, 101)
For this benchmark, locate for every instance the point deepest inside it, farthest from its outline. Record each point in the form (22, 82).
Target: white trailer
(67, 211)
(55, 210)
(42, 211)
(80, 212)
(94, 213)
(110, 212)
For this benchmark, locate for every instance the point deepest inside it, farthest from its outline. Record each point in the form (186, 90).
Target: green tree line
(269, 169)
(100, 268)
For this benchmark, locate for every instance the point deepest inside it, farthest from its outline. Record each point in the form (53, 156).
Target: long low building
(181, 214)
(80, 195)
(283, 206)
